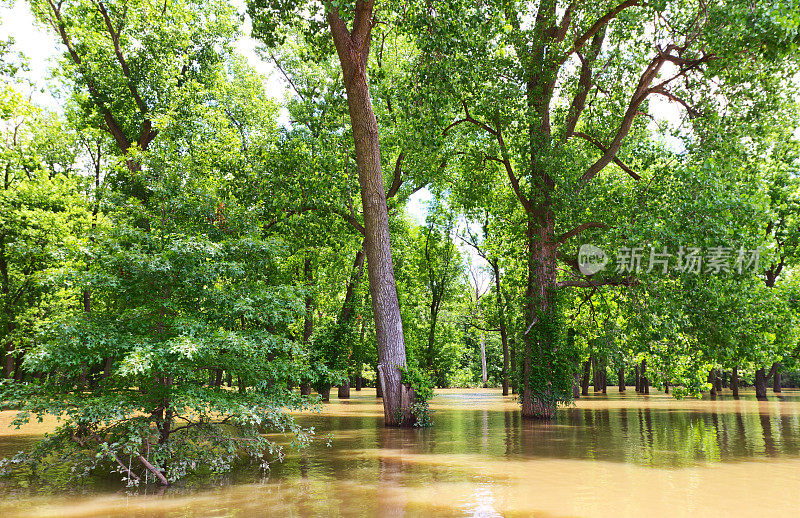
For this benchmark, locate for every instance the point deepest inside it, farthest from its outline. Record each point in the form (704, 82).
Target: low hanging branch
(152, 469)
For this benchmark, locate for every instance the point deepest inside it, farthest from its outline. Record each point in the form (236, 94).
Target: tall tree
(551, 92)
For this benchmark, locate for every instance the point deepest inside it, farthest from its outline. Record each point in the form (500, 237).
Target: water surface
(606, 456)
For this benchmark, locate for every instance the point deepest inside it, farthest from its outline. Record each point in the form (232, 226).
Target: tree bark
(761, 384)
(776, 379)
(484, 372)
(344, 390)
(735, 382)
(576, 385)
(540, 312)
(621, 379)
(587, 368)
(352, 48)
(643, 380)
(325, 393)
(501, 315)
(513, 355)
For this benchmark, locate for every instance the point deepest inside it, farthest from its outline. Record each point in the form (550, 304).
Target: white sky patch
(36, 43)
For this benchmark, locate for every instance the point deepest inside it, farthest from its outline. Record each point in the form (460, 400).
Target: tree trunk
(344, 390)
(325, 392)
(761, 384)
(666, 388)
(587, 367)
(644, 381)
(353, 51)
(484, 372)
(576, 385)
(604, 377)
(308, 320)
(621, 379)
(735, 382)
(305, 388)
(637, 379)
(501, 315)
(540, 314)
(776, 379)
(513, 355)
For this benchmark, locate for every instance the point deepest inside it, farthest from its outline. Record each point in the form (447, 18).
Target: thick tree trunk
(501, 314)
(352, 48)
(325, 393)
(540, 316)
(344, 390)
(305, 388)
(587, 368)
(735, 382)
(761, 384)
(621, 379)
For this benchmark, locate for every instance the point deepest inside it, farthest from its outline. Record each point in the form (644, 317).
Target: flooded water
(607, 456)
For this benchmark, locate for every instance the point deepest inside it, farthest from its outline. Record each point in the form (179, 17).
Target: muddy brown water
(612, 455)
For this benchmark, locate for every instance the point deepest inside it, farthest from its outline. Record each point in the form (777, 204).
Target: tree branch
(633, 174)
(118, 52)
(599, 24)
(580, 228)
(397, 180)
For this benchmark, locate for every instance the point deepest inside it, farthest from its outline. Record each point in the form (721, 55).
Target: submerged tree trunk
(513, 357)
(762, 378)
(484, 372)
(344, 390)
(761, 384)
(735, 381)
(587, 367)
(325, 392)
(643, 380)
(353, 48)
(637, 383)
(540, 334)
(621, 379)
(576, 385)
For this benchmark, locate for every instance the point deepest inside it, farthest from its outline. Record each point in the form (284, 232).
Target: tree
(551, 93)
(351, 27)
